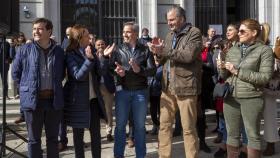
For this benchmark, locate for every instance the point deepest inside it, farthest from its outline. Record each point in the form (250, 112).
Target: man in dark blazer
(107, 86)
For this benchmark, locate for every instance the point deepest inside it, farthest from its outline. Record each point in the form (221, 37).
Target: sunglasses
(242, 31)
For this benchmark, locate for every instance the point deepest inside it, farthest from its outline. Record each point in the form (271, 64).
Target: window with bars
(223, 12)
(105, 18)
(9, 16)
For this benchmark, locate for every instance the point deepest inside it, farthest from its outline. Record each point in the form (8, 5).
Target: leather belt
(46, 94)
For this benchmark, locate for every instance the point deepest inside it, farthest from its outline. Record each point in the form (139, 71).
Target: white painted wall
(49, 9)
(269, 12)
(52, 12)
(147, 16)
(36, 9)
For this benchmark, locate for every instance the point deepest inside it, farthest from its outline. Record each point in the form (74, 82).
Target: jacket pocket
(23, 88)
(182, 72)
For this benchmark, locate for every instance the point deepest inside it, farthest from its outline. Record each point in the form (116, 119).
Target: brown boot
(253, 153)
(61, 147)
(130, 143)
(19, 120)
(232, 151)
(270, 150)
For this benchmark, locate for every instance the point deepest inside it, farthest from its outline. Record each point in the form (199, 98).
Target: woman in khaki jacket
(248, 67)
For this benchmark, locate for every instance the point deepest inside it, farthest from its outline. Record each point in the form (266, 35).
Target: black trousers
(155, 109)
(35, 120)
(95, 136)
(4, 79)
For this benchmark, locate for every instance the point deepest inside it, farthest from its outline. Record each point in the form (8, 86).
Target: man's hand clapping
(134, 65)
(119, 70)
(109, 50)
(156, 46)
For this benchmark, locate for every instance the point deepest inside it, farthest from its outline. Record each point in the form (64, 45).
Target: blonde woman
(271, 94)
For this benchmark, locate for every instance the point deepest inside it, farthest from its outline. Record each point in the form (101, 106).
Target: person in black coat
(4, 50)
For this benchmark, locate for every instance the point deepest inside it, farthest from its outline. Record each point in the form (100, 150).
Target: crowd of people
(77, 83)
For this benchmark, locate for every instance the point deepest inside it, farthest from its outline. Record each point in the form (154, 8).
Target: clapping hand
(156, 46)
(119, 70)
(134, 65)
(88, 53)
(109, 50)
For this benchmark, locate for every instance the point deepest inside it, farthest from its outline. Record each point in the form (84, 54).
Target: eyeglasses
(242, 31)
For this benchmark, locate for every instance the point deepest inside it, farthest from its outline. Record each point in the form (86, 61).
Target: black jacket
(6, 52)
(143, 57)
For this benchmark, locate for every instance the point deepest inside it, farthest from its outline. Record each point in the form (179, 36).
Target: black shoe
(242, 155)
(221, 153)
(215, 130)
(62, 147)
(204, 147)
(8, 98)
(109, 137)
(176, 134)
(154, 131)
(219, 138)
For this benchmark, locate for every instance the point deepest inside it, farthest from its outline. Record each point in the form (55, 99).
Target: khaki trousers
(188, 111)
(108, 101)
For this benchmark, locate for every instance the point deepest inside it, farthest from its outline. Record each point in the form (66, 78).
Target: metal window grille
(103, 17)
(223, 12)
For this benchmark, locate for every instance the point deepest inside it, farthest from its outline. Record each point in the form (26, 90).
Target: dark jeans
(155, 109)
(63, 132)
(95, 136)
(35, 120)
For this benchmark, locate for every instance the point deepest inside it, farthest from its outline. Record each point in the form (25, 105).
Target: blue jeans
(134, 101)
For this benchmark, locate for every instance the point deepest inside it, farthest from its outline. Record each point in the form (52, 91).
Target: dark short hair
(145, 29)
(135, 26)
(49, 25)
(180, 12)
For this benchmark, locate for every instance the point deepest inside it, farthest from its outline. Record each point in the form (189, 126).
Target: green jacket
(254, 71)
(185, 62)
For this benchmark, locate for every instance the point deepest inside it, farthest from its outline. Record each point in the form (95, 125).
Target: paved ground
(107, 147)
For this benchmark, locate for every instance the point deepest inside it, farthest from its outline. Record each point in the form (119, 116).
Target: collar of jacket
(250, 48)
(186, 28)
(50, 48)
(126, 45)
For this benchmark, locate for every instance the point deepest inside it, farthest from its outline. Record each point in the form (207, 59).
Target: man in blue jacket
(39, 70)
